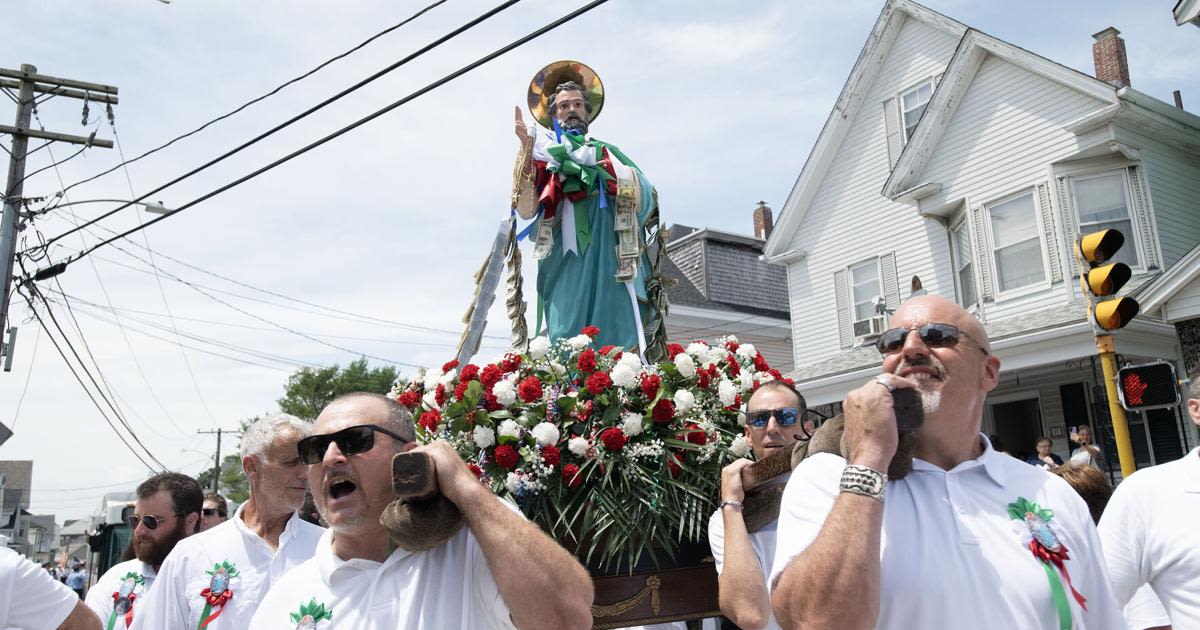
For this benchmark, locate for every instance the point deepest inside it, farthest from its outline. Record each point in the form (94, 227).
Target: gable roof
(848, 104)
(1155, 294)
(729, 273)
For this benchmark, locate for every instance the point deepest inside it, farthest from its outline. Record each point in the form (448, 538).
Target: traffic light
(1102, 279)
(1148, 386)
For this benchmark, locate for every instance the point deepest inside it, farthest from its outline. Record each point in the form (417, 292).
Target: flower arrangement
(613, 458)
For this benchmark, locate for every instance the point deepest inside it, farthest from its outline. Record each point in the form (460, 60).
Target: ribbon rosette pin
(123, 599)
(217, 593)
(311, 614)
(1034, 521)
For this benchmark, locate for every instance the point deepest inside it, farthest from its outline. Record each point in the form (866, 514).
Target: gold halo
(550, 77)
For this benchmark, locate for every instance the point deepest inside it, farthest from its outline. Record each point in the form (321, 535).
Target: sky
(718, 102)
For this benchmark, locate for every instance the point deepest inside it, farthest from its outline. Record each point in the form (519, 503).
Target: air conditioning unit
(870, 328)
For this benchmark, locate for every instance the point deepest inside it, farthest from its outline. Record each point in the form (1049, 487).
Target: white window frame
(1134, 239)
(850, 284)
(904, 135)
(963, 221)
(999, 293)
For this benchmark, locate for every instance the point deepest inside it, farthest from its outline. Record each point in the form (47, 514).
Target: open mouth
(341, 488)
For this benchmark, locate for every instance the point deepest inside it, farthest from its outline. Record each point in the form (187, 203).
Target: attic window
(912, 104)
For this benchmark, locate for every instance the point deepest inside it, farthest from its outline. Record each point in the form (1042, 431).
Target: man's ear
(250, 466)
(991, 372)
(193, 522)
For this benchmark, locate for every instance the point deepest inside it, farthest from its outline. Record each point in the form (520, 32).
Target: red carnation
(571, 476)
(613, 439)
(732, 346)
(475, 469)
(598, 382)
(705, 376)
(460, 389)
(673, 464)
(550, 455)
(506, 456)
(469, 372)
(490, 376)
(408, 398)
(788, 381)
(650, 383)
(775, 374)
(694, 434)
(490, 403)
(510, 363)
(449, 365)
(583, 410)
(530, 389)
(674, 349)
(760, 363)
(664, 411)
(587, 361)
(734, 368)
(429, 420)
(606, 349)
(439, 395)
(590, 331)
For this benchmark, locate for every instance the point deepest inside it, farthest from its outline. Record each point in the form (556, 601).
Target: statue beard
(574, 125)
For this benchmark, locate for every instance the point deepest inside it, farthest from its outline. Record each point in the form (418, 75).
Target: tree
(309, 390)
(232, 484)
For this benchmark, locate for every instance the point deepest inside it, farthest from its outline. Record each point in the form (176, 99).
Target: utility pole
(217, 460)
(27, 82)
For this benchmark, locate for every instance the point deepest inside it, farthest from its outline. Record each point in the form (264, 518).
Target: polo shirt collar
(329, 565)
(288, 533)
(991, 460)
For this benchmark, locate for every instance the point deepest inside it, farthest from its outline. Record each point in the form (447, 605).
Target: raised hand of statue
(521, 130)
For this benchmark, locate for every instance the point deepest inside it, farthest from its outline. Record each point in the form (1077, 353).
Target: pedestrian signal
(1148, 386)
(1102, 279)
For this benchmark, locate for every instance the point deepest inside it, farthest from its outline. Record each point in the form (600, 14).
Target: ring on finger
(885, 381)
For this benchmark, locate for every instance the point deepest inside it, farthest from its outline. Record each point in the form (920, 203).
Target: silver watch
(865, 481)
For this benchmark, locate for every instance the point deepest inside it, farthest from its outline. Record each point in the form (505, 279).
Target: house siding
(849, 220)
(1174, 178)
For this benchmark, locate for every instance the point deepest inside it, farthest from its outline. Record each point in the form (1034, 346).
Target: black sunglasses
(149, 520)
(210, 512)
(934, 335)
(785, 416)
(350, 441)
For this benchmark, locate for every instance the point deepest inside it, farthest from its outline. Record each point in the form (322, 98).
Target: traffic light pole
(1108, 363)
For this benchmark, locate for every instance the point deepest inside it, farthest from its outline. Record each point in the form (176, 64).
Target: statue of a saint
(597, 237)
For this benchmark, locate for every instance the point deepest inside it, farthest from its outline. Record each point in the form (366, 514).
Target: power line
(354, 125)
(242, 107)
(306, 113)
(28, 374)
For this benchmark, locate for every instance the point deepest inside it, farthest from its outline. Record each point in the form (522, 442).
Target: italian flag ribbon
(217, 593)
(1046, 546)
(123, 599)
(575, 181)
(112, 619)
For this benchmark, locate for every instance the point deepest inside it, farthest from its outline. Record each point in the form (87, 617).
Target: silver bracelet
(734, 504)
(865, 481)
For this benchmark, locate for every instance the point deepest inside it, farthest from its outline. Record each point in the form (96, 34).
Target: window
(1016, 242)
(864, 288)
(1101, 202)
(964, 266)
(912, 105)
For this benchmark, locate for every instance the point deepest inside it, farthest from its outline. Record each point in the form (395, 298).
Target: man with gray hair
(216, 579)
(1149, 530)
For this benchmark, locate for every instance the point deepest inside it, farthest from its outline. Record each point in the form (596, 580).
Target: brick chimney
(1108, 53)
(763, 221)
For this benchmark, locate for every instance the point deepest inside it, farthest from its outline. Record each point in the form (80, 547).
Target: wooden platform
(657, 596)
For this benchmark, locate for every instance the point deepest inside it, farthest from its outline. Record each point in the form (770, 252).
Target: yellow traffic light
(1108, 279)
(1114, 314)
(1099, 247)
(1100, 280)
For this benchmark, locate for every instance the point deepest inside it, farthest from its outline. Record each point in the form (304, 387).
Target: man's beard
(152, 551)
(574, 124)
(927, 385)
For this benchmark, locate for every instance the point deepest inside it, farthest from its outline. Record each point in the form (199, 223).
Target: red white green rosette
(310, 614)
(123, 599)
(217, 593)
(1048, 548)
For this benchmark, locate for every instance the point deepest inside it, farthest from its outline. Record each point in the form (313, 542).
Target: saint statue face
(570, 108)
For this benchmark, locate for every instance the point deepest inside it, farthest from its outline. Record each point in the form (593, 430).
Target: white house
(973, 164)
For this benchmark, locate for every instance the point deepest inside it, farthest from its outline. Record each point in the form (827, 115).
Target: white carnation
(746, 381)
(631, 424)
(716, 355)
(447, 378)
(510, 428)
(685, 365)
(741, 418)
(631, 361)
(545, 433)
(513, 483)
(727, 392)
(740, 446)
(684, 401)
(484, 436)
(747, 351)
(578, 446)
(505, 392)
(764, 377)
(698, 350)
(539, 347)
(579, 342)
(622, 376)
(430, 399)
(432, 379)
(557, 368)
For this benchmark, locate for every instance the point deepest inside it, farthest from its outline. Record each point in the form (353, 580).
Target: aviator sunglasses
(149, 520)
(934, 335)
(350, 441)
(785, 416)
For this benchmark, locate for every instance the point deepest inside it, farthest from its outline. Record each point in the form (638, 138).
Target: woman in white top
(1087, 453)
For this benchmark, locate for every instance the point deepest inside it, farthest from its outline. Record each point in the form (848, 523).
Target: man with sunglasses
(774, 421)
(216, 579)
(968, 538)
(497, 571)
(166, 511)
(214, 512)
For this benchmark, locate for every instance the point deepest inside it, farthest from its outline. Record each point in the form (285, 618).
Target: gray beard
(574, 125)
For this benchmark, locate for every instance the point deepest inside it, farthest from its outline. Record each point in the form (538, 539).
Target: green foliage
(309, 390)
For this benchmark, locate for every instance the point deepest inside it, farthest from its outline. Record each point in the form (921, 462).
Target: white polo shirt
(449, 586)
(175, 601)
(29, 598)
(1149, 531)
(100, 596)
(761, 541)
(951, 556)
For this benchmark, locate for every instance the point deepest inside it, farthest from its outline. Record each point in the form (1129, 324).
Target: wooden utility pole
(216, 460)
(28, 82)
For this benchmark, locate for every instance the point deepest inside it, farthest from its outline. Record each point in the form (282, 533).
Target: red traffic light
(1148, 386)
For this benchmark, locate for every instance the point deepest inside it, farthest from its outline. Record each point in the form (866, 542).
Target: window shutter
(1046, 213)
(891, 126)
(1137, 192)
(1070, 231)
(841, 287)
(888, 282)
(983, 256)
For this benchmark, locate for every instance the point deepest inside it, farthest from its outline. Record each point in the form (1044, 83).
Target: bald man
(952, 544)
